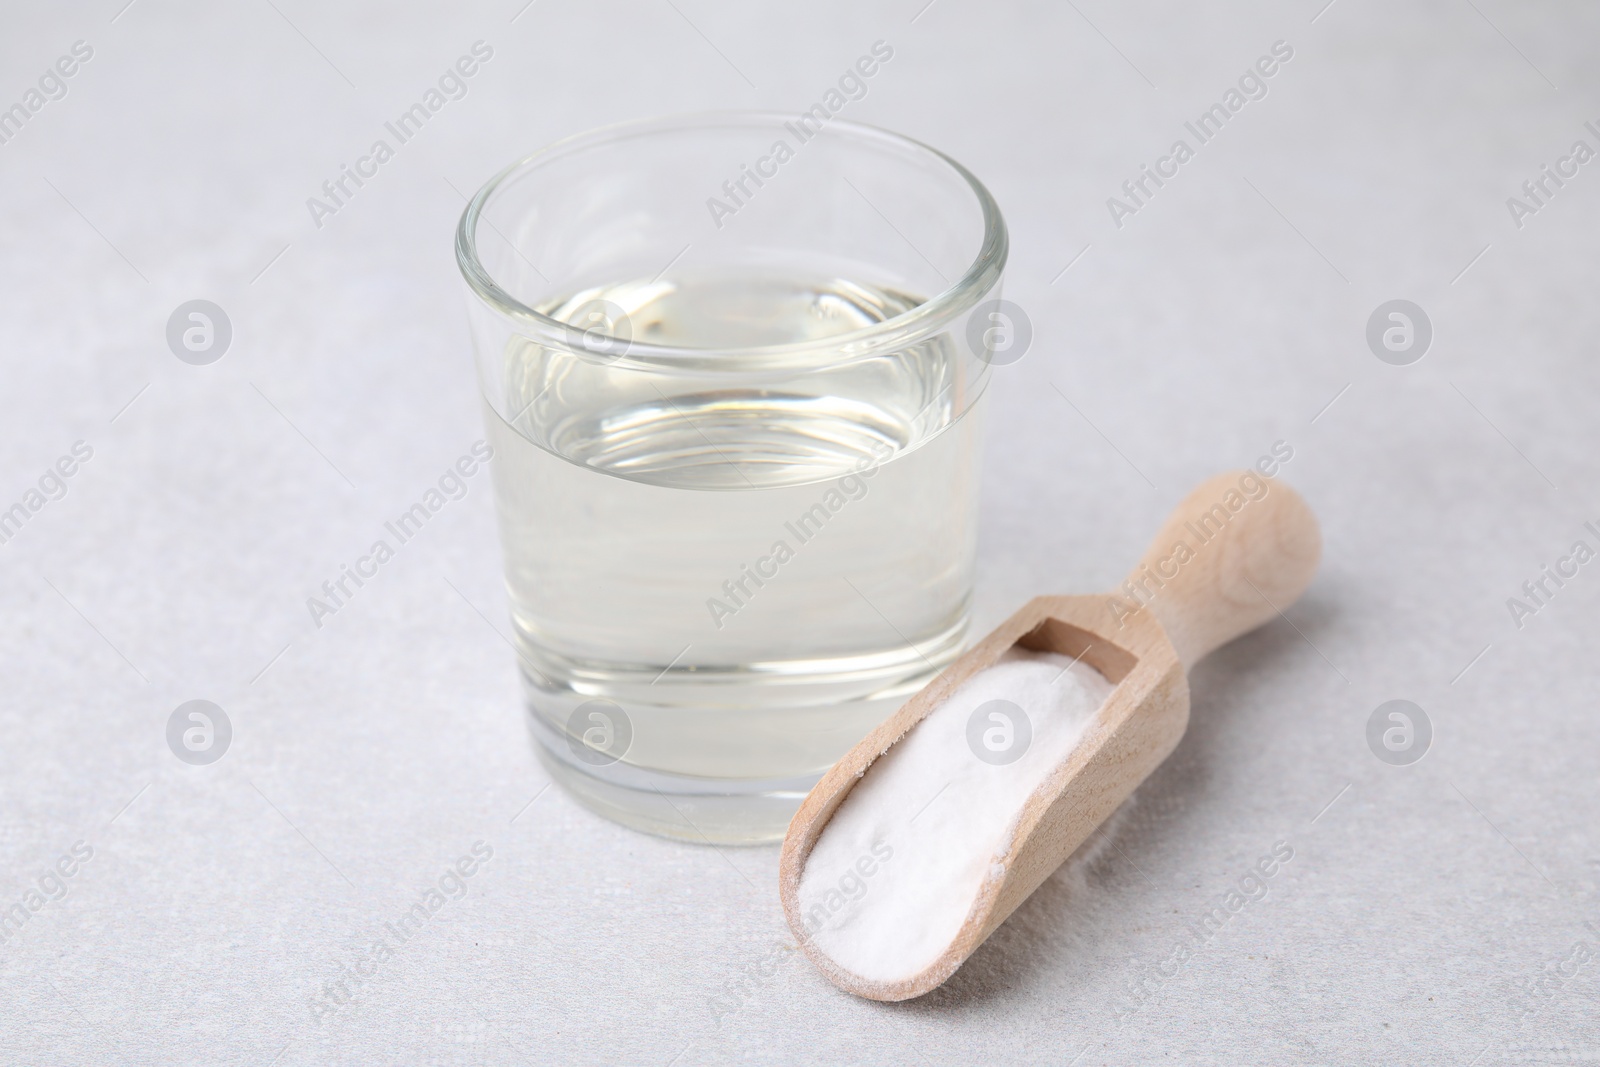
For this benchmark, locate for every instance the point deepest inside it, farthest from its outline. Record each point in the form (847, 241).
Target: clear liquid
(756, 574)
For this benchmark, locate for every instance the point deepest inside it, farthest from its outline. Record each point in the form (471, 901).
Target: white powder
(897, 868)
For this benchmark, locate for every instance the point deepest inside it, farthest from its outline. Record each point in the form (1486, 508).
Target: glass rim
(897, 332)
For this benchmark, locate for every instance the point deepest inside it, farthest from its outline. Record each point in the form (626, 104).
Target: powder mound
(899, 865)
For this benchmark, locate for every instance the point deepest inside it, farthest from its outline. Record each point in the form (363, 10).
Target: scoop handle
(1238, 550)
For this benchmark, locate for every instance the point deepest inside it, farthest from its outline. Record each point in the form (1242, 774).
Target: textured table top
(1439, 912)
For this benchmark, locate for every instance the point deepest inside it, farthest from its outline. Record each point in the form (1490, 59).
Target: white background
(1420, 905)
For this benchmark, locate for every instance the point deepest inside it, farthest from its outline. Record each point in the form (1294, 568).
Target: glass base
(612, 752)
(702, 812)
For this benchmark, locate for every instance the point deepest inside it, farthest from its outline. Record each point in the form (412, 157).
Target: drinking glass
(732, 368)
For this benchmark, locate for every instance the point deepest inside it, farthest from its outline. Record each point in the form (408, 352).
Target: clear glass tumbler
(732, 367)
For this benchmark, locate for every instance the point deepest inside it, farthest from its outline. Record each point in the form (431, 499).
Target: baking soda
(896, 870)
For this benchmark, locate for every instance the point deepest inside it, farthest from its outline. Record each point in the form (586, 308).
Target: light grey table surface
(1443, 912)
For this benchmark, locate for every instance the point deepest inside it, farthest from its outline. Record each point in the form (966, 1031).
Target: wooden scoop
(1244, 556)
